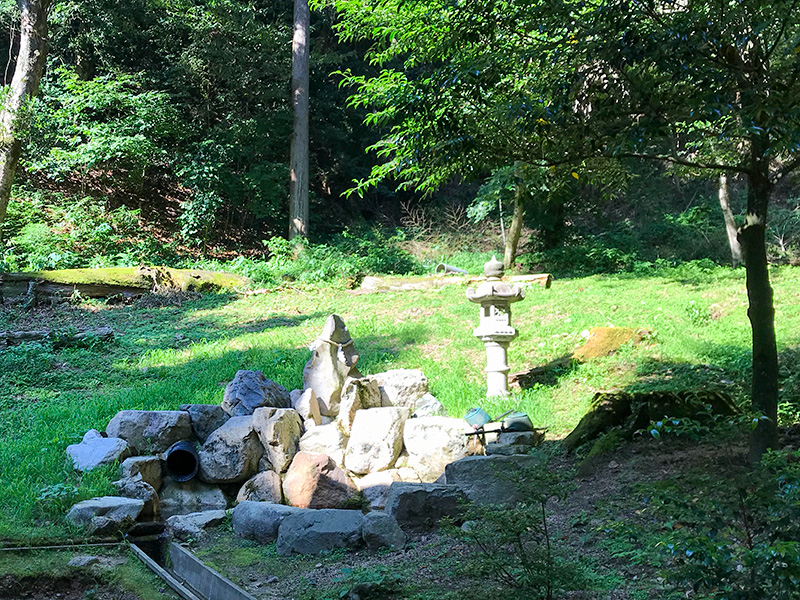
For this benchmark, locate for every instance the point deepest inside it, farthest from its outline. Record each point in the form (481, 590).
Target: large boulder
(381, 530)
(315, 531)
(134, 487)
(250, 390)
(231, 453)
(306, 404)
(94, 450)
(151, 431)
(279, 430)
(375, 487)
(259, 521)
(376, 439)
(205, 418)
(191, 527)
(357, 394)
(401, 387)
(148, 467)
(107, 514)
(434, 442)
(491, 479)
(191, 496)
(325, 439)
(333, 360)
(314, 481)
(420, 506)
(262, 487)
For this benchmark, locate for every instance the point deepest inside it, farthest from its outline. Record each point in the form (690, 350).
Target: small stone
(148, 467)
(82, 561)
(262, 487)
(306, 404)
(279, 430)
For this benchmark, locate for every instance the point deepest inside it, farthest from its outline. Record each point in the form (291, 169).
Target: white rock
(357, 394)
(306, 404)
(376, 439)
(262, 487)
(279, 430)
(402, 387)
(434, 442)
(429, 406)
(333, 360)
(95, 450)
(325, 439)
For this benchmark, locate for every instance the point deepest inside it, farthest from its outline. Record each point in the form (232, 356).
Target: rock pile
(292, 462)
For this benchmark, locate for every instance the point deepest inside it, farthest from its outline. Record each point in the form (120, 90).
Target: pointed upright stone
(332, 362)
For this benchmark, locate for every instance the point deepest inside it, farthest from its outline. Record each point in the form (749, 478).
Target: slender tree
(14, 117)
(298, 210)
(703, 84)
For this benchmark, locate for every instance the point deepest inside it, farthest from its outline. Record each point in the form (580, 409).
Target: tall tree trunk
(298, 209)
(761, 311)
(14, 117)
(730, 222)
(514, 231)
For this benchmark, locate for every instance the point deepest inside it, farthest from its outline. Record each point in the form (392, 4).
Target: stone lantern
(495, 330)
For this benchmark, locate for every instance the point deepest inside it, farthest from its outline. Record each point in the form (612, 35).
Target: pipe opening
(182, 461)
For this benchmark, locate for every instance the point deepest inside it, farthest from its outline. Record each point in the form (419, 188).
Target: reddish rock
(314, 481)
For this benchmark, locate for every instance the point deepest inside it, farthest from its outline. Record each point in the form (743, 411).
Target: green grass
(166, 356)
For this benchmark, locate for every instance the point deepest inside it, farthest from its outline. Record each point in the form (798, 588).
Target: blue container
(477, 417)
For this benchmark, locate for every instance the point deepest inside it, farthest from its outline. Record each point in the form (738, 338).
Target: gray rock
(149, 467)
(95, 450)
(496, 449)
(434, 442)
(193, 526)
(151, 431)
(376, 439)
(380, 530)
(134, 487)
(250, 390)
(402, 387)
(262, 487)
(191, 496)
(357, 394)
(83, 561)
(420, 506)
(333, 360)
(520, 438)
(259, 521)
(279, 430)
(315, 531)
(205, 419)
(106, 514)
(231, 453)
(489, 479)
(429, 406)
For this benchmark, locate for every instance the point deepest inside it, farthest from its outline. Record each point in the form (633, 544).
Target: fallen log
(125, 282)
(60, 339)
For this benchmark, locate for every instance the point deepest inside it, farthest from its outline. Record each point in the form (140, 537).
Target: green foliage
(739, 539)
(514, 545)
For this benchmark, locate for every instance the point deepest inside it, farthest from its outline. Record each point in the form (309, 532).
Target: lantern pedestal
(495, 330)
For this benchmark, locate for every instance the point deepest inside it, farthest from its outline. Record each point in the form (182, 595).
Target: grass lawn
(185, 352)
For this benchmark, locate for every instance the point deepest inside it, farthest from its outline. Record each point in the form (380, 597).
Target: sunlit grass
(698, 337)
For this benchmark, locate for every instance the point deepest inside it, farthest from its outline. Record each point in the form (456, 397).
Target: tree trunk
(298, 189)
(730, 222)
(14, 117)
(761, 311)
(514, 231)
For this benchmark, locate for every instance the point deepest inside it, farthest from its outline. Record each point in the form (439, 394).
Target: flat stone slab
(489, 479)
(259, 521)
(193, 525)
(420, 506)
(105, 514)
(313, 531)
